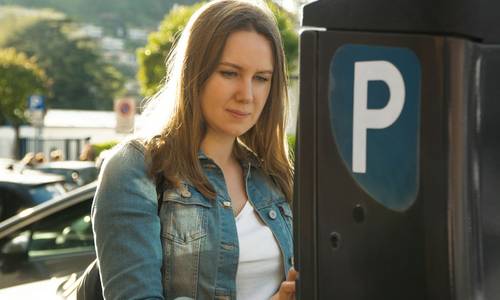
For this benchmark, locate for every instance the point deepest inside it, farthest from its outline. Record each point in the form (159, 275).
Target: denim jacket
(189, 248)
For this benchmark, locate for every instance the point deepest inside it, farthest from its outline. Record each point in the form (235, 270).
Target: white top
(260, 267)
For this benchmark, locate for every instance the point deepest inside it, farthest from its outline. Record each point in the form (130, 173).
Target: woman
(198, 208)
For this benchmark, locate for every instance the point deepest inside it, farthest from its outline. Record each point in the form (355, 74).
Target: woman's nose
(245, 90)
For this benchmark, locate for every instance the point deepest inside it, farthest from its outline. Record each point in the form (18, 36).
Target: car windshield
(45, 192)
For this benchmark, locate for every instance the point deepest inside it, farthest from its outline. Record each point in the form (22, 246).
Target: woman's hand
(287, 287)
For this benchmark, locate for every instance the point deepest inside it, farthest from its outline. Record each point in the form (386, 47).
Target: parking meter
(398, 157)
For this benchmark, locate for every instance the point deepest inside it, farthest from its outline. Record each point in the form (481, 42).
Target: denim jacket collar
(249, 159)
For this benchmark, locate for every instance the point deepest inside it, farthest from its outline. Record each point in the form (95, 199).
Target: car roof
(33, 214)
(66, 164)
(6, 161)
(28, 177)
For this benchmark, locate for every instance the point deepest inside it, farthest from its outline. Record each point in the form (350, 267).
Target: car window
(88, 175)
(45, 192)
(75, 178)
(65, 232)
(64, 172)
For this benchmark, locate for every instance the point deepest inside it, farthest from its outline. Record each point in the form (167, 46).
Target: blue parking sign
(36, 102)
(374, 98)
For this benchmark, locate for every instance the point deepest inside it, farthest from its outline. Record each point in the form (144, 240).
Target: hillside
(110, 14)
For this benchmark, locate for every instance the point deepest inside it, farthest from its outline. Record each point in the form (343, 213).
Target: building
(63, 129)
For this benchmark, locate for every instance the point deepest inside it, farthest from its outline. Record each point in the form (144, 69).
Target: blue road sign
(375, 118)
(36, 102)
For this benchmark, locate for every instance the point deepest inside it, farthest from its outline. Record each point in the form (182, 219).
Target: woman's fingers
(292, 275)
(288, 287)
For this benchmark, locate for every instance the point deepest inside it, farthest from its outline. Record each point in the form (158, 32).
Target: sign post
(36, 114)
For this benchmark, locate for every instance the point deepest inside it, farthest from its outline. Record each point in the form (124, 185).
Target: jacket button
(272, 214)
(226, 203)
(185, 193)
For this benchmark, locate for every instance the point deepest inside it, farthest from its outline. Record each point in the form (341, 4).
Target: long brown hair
(174, 150)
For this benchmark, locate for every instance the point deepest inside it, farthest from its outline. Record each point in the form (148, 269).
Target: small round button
(272, 214)
(185, 193)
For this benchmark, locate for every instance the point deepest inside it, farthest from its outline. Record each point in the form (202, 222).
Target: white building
(89, 30)
(112, 44)
(138, 34)
(63, 125)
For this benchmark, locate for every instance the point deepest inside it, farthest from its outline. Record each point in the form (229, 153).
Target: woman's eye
(261, 78)
(228, 74)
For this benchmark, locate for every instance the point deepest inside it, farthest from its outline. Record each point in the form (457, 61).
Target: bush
(98, 148)
(291, 146)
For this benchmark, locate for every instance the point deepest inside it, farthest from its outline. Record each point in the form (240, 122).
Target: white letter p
(364, 118)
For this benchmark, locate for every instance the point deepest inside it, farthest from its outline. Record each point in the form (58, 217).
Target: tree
(151, 58)
(287, 24)
(81, 78)
(20, 77)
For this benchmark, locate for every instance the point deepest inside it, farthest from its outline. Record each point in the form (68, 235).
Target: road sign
(125, 115)
(36, 110)
(36, 102)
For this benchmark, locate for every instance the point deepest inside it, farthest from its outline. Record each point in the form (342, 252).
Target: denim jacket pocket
(183, 217)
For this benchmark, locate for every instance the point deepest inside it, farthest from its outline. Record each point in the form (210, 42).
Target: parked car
(7, 163)
(76, 173)
(19, 191)
(47, 289)
(53, 239)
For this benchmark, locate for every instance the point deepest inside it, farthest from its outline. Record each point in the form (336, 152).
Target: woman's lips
(237, 113)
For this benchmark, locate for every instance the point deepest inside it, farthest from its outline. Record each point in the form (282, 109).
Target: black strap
(88, 286)
(160, 188)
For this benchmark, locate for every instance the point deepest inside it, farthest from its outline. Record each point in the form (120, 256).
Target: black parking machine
(398, 158)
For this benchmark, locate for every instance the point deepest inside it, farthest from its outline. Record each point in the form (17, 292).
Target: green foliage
(286, 24)
(291, 146)
(14, 19)
(110, 14)
(81, 79)
(151, 58)
(20, 77)
(98, 148)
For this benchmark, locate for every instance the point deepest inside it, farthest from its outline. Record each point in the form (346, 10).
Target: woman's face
(234, 95)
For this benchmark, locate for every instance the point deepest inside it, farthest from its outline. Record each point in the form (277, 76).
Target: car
(7, 163)
(76, 173)
(21, 190)
(47, 289)
(53, 239)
